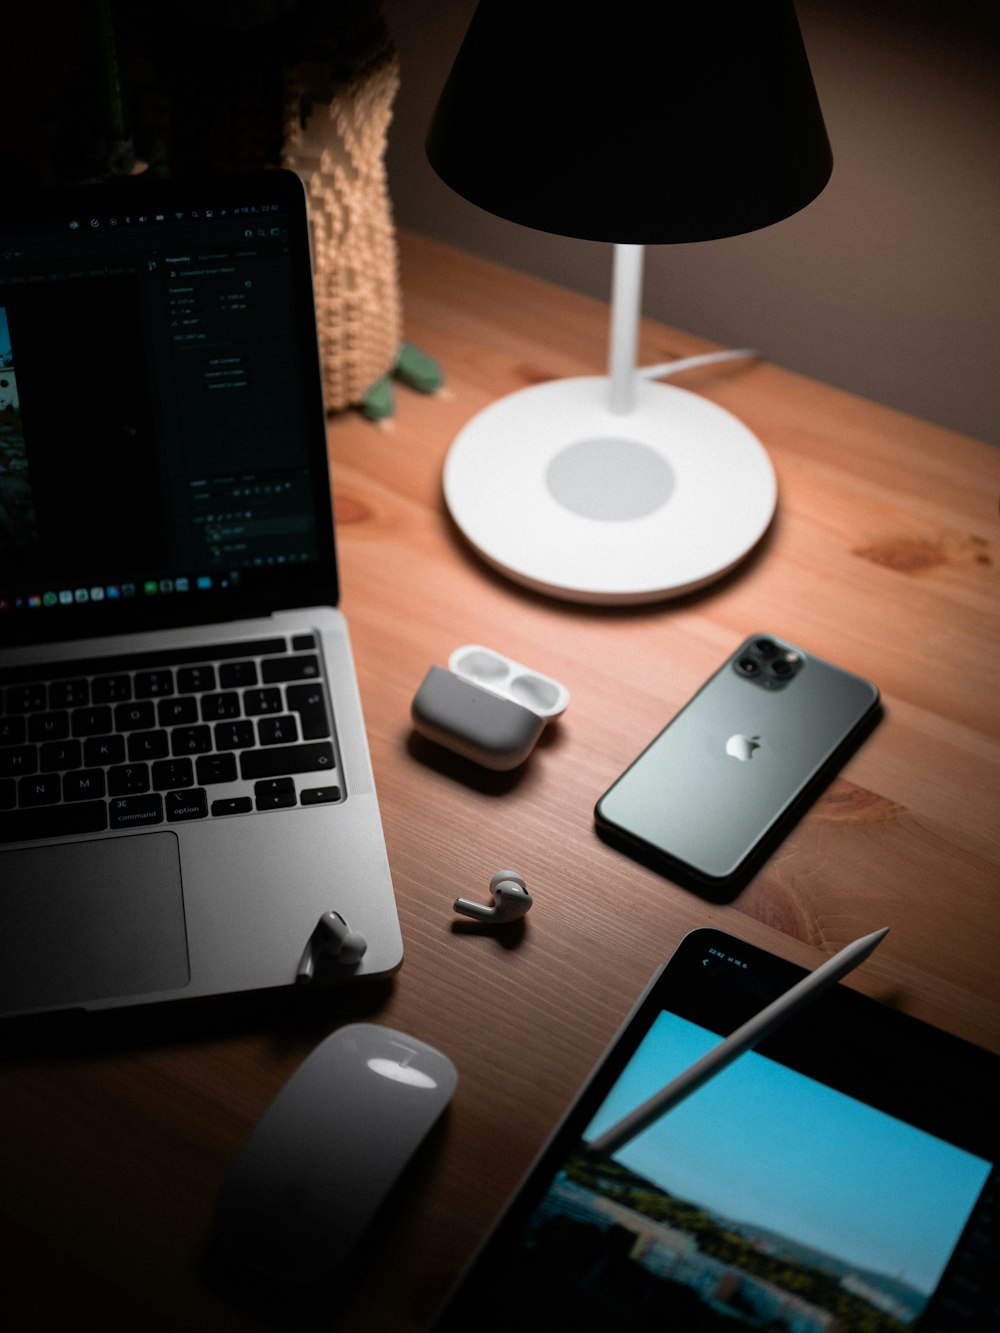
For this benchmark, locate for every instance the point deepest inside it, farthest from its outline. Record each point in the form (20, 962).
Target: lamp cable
(666, 368)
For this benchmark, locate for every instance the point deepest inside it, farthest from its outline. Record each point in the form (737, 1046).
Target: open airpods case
(486, 707)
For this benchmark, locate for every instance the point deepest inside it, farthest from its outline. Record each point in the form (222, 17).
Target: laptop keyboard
(183, 735)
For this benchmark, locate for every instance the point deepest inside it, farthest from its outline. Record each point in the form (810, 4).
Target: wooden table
(116, 1136)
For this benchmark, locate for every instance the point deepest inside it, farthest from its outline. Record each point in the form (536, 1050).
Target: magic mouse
(326, 1152)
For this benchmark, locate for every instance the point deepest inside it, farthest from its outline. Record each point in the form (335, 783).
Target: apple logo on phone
(742, 747)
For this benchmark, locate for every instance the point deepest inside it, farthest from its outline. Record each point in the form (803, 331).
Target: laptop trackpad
(94, 920)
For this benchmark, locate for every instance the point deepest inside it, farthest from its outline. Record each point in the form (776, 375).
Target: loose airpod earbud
(511, 900)
(332, 939)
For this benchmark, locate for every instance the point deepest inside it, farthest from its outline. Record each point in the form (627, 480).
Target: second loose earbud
(511, 900)
(333, 940)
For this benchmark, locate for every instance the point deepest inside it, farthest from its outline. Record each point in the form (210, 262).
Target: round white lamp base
(566, 497)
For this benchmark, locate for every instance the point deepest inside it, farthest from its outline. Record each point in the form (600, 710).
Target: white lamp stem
(626, 302)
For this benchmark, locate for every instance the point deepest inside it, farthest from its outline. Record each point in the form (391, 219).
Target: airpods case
(486, 707)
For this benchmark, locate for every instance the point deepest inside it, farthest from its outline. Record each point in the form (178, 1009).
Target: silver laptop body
(185, 780)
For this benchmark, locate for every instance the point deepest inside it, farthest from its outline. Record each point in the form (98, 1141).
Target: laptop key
(112, 689)
(53, 821)
(133, 811)
(232, 805)
(99, 751)
(196, 679)
(278, 730)
(14, 730)
(214, 768)
(234, 735)
(232, 675)
(278, 669)
(170, 774)
(256, 702)
(128, 780)
(220, 707)
(153, 684)
(84, 785)
(94, 720)
(320, 795)
(181, 805)
(56, 755)
(16, 760)
(48, 726)
(191, 740)
(26, 698)
(41, 789)
(68, 693)
(148, 745)
(134, 717)
(308, 702)
(274, 794)
(278, 759)
(177, 712)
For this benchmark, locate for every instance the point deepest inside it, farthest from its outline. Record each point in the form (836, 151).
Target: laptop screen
(162, 437)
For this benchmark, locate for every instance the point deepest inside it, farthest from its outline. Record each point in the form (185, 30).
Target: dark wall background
(887, 285)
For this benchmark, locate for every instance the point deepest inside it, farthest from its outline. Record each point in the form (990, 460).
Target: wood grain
(116, 1133)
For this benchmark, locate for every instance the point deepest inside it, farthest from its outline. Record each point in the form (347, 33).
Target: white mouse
(325, 1153)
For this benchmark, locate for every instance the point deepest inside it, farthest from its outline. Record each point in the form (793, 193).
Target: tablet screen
(787, 1193)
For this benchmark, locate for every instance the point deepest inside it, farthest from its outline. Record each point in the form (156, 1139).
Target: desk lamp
(634, 123)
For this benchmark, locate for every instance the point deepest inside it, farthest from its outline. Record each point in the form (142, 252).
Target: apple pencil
(746, 1036)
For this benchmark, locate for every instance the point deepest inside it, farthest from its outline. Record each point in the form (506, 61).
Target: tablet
(841, 1176)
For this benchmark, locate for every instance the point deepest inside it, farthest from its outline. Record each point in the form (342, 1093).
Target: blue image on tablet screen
(765, 1197)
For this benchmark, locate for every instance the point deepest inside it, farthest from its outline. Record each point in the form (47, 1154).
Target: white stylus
(746, 1036)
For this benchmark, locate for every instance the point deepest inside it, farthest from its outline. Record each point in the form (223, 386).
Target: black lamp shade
(633, 122)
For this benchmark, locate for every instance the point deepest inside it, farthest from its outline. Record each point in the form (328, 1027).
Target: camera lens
(782, 667)
(748, 665)
(766, 648)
